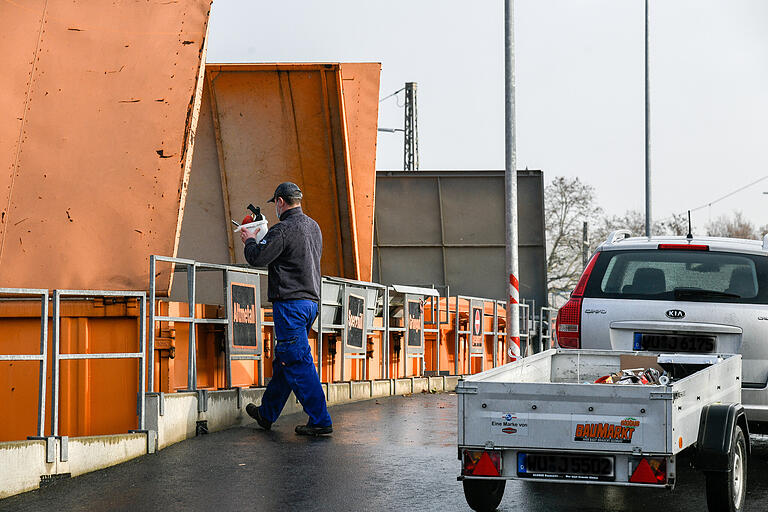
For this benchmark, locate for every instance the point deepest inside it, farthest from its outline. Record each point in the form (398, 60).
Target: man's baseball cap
(286, 190)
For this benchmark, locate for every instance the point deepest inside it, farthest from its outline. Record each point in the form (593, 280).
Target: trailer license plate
(673, 343)
(565, 466)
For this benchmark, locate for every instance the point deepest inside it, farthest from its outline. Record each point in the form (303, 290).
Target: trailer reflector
(482, 463)
(650, 471)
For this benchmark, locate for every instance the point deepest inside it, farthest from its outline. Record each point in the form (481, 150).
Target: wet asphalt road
(397, 453)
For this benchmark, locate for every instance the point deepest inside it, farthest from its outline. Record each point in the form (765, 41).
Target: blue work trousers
(292, 366)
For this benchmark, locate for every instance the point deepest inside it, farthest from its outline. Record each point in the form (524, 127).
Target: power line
(726, 196)
(393, 94)
(729, 194)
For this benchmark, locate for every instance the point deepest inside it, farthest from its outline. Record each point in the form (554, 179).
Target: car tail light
(568, 325)
(684, 247)
(582, 284)
(649, 470)
(482, 463)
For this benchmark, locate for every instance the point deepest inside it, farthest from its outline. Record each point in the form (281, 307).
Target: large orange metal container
(97, 396)
(98, 106)
(263, 124)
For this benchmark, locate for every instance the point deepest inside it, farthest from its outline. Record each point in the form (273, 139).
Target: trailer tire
(727, 490)
(484, 495)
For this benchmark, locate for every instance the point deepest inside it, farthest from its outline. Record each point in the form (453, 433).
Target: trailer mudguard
(716, 427)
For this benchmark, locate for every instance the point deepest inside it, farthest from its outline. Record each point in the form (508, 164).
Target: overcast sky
(579, 74)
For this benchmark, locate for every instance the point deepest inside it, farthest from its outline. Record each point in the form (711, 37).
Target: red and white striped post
(510, 180)
(513, 325)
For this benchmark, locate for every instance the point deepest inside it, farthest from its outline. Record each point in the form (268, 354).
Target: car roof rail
(618, 235)
(765, 242)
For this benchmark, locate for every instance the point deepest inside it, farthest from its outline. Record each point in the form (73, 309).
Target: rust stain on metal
(64, 96)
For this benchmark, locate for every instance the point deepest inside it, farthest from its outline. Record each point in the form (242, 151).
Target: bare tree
(732, 226)
(568, 203)
(676, 225)
(634, 221)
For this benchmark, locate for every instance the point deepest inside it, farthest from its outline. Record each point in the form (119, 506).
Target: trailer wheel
(484, 495)
(726, 490)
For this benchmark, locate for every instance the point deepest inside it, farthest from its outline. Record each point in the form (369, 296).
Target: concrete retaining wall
(22, 463)
(171, 418)
(24, 466)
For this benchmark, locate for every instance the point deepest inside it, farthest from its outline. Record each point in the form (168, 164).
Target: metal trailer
(544, 418)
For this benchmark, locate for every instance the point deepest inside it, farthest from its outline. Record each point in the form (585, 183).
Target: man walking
(291, 250)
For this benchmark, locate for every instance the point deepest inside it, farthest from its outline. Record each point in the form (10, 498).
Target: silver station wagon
(677, 294)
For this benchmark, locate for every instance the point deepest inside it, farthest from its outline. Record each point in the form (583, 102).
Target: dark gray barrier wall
(447, 228)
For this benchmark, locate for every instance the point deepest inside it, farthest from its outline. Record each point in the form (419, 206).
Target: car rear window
(703, 276)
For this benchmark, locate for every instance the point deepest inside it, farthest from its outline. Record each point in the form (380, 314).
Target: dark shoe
(254, 413)
(309, 430)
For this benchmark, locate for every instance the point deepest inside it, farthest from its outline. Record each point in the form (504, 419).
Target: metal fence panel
(58, 356)
(42, 357)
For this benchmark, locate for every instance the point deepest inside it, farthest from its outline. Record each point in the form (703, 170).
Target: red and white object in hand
(250, 224)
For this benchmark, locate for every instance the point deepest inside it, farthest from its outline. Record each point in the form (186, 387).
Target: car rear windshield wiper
(704, 294)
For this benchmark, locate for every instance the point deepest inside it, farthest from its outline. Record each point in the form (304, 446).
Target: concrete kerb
(436, 384)
(403, 387)
(23, 464)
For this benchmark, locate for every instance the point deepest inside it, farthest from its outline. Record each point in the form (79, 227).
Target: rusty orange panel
(97, 396)
(313, 124)
(361, 107)
(99, 103)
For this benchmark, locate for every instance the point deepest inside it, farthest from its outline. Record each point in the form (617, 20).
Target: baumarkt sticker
(509, 423)
(606, 429)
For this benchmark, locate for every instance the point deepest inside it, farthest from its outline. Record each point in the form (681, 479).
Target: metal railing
(468, 333)
(191, 267)
(436, 321)
(42, 357)
(546, 329)
(375, 296)
(332, 321)
(526, 348)
(58, 356)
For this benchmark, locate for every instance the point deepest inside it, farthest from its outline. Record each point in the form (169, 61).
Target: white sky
(579, 74)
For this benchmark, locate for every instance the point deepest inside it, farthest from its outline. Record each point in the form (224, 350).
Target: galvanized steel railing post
(55, 369)
(344, 330)
(386, 334)
(43, 364)
(320, 332)
(495, 331)
(456, 338)
(151, 350)
(192, 345)
(143, 360)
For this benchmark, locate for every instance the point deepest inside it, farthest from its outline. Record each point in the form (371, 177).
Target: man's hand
(245, 233)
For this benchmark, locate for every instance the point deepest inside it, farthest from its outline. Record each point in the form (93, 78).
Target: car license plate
(673, 342)
(565, 466)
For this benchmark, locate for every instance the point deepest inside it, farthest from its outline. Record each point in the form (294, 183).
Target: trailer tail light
(684, 247)
(649, 470)
(481, 463)
(568, 324)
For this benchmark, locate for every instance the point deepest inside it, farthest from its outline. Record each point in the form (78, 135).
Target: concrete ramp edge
(25, 466)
